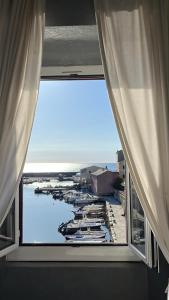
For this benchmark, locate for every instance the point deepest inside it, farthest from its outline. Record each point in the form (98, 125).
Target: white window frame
(14, 246)
(73, 252)
(147, 258)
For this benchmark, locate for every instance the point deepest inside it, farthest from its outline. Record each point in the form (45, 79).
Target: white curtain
(21, 36)
(134, 41)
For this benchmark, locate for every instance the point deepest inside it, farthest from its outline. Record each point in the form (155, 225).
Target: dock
(41, 190)
(116, 223)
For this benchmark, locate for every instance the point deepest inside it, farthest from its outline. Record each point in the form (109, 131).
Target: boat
(89, 231)
(41, 191)
(93, 208)
(83, 236)
(57, 195)
(86, 241)
(88, 220)
(84, 201)
(90, 214)
(86, 198)
(76, 178)
(71, 195)
(71, 228)
(84, 223)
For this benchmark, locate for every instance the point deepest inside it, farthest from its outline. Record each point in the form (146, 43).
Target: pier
(41, 190)
(116, 222)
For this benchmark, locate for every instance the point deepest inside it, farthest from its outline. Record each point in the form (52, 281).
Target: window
(9, 230)
(139, 234)
(137, 221)
(71, 52)
(64, 200)
(47, 205)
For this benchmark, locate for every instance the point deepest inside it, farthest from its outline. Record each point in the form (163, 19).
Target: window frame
(74, 252)
(147, 258)
(8, 249)
(67, 252)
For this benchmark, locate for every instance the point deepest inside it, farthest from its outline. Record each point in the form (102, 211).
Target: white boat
(88, 220)
(83, 236)
(76, 197)
(84, 213)
(91, 232)
(97, 241)
(76, 178)
(84, 223)
(71, 228)
(85, 200)
(71, 195)
(93, 208)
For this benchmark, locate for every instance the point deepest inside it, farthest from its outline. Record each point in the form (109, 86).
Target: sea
(42, 215)
(64, 167)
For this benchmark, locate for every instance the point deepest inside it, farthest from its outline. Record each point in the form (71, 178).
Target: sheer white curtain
(21, 36)
(134, 40)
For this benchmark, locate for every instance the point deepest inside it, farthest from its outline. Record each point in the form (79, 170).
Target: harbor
(85, 218)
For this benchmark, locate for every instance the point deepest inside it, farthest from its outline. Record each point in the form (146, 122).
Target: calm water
(42, 215)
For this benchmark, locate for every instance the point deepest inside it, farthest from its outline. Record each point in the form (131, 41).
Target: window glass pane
(72, 191)
(7, 230)
(137, 221)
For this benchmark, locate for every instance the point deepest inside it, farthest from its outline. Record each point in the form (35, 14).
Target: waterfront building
(119, 194)
(102, 182)
(121, 164)
(85, 173)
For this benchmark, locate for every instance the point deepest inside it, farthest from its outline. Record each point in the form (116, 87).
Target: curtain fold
(134, 42)
(21, 36)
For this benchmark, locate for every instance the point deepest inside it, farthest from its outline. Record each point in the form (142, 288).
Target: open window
(140, 237)
(71, 54)
(72, 202)
(9, 230)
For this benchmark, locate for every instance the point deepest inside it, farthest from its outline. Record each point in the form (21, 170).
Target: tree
(117, 184)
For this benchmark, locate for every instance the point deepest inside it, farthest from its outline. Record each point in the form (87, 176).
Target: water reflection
(42, 216)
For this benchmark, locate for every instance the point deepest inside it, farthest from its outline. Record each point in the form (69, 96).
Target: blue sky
(73, 123)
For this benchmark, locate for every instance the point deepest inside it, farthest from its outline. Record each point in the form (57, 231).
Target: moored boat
(83, 236)
(86, 241)
(71, 228)
(93, 208)
(90, 214)
(88, 220)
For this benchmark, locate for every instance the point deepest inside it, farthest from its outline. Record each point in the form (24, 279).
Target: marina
(84, 218)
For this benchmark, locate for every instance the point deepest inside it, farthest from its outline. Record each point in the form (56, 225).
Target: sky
(73, 123)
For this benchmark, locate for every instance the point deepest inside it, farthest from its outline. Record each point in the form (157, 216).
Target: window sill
(62, 253)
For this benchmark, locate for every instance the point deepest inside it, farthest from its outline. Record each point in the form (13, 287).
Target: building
(102, 182)
(85, 173)
(121, 164)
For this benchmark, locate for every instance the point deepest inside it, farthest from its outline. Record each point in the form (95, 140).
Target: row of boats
(86, 227)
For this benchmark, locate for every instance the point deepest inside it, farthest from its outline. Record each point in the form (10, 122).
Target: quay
(116, 222)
